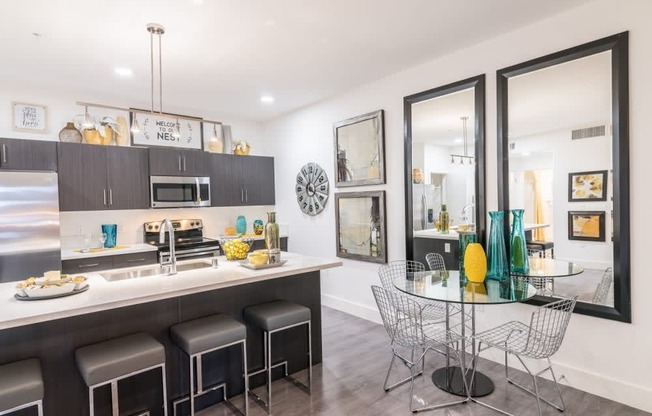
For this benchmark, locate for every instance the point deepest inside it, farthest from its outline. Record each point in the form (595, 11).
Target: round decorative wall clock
(312, 189)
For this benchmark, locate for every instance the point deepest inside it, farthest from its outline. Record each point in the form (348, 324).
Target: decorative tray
(245, 263)
(59, 295)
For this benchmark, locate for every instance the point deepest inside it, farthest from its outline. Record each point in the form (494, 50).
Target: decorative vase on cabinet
(497, 265)
(518, 248)
(70, 134)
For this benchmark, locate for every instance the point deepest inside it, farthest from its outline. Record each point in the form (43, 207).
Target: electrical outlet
(447, 247)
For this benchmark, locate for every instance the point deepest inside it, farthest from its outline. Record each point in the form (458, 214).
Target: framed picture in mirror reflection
(360, 226)
(586, 225)
(587, 186)
(360, 150)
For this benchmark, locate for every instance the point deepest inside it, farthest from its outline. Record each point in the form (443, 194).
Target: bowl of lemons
(235, 248)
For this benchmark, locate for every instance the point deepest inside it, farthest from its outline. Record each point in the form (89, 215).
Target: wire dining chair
(540, 340)
(602, 290)
(433, 311)
(435, 261)
(411, 340)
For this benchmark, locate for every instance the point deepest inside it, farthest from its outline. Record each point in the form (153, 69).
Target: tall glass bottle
(443, 220)
(497, 265)
(272, 238)
(518, 248)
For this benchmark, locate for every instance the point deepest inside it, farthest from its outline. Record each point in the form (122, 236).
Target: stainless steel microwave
(180, 191)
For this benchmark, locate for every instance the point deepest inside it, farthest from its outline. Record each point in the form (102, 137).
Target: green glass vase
(497, 265)
(517, 245)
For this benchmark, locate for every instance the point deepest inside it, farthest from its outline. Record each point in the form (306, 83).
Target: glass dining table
(543, 272)
(460, 295)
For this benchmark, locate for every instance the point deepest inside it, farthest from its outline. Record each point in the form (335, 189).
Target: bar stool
(274, 317)
(540, 248)
(21, 386)
(204, 335)
(111, 361)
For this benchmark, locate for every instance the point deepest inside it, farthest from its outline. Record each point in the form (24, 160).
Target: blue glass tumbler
(111, 231)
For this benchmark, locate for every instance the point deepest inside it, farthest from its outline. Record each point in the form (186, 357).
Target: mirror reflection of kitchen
(443, 171)
(560, 162)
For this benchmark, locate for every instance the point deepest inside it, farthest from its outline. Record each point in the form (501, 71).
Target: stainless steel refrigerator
(30, 243)
(426, 203)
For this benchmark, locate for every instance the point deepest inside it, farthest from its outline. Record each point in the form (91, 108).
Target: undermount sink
(153, 270)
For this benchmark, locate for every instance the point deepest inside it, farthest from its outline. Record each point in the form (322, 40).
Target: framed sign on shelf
(32, 118)
(158, 129)
(360, 226)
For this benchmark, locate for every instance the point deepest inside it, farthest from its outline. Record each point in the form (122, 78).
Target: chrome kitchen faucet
(172, 262)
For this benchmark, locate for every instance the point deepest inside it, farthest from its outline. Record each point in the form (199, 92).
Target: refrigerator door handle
(424, 213)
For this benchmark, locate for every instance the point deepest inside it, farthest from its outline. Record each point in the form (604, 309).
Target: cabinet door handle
(179, 163)
(104, 195)
(136, 260)
(184, 164)
(110, 196)
(246, 196)
(4, 153)
(81, 266)
(242, 195)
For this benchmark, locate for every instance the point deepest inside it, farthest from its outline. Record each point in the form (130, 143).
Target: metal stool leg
(165, 391)
(40, 407)
(268, 364)
(246, 378)
(309, 359)
(192, 385)
(115, 405)
(91, 401)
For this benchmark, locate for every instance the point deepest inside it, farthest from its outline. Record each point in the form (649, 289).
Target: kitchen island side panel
(54, 342)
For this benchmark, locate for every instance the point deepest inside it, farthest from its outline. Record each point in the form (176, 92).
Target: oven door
(179, 191)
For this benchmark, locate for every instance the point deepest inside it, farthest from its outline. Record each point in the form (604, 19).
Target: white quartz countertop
(433, 233)
(103, 295)
(71, 254)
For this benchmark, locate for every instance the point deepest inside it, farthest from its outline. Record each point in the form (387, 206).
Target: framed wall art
(586, 225)
(32, 118)
(587, 186)
(360, 226)
(158, 130)
(360, 150)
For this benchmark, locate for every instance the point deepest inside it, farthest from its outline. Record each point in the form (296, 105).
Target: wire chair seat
(410, 338)
(539, 340)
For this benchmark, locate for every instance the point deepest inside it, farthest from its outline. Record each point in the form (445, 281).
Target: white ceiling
(222, 55)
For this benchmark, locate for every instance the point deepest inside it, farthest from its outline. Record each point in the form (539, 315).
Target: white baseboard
(355, 309)
(589, 381)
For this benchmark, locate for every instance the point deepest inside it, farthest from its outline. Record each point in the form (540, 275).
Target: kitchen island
(52, 329)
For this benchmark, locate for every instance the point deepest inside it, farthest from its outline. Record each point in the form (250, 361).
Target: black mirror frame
(478, 84)
(618, 45)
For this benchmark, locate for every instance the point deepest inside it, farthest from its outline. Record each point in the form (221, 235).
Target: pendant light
(464, 156)
(88, 122)
(135, 127)
(176, 133)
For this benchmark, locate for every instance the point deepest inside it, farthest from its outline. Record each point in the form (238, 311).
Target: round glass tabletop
(445, 286)
(551, 268)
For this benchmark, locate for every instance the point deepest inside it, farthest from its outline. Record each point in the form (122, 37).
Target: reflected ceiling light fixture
(464, 156)
(214, 136)
(156, 31)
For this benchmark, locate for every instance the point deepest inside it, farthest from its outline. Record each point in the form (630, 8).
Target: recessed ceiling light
(123, 72)
(36, 34)
(267, 99)
(458, 140)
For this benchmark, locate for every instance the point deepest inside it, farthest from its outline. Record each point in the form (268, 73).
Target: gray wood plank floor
(350, 379)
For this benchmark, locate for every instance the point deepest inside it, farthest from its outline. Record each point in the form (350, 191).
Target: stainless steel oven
(180, 191)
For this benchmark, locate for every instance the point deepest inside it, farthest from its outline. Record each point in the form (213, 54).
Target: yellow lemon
(475, 263)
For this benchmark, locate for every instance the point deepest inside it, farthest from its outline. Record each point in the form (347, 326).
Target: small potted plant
(241, 147)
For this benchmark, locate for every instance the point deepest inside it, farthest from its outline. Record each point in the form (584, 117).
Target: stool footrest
(205, 390)
(262, 403)
(264, 369)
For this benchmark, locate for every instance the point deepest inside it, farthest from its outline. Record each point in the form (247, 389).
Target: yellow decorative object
(108, 135)
(242, 152)
(122, 132)
(258, 258)
(229, 231)
(92, 136)
(475, 263)
(474, 288)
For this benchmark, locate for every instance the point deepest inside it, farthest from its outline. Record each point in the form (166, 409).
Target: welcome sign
(158, 129)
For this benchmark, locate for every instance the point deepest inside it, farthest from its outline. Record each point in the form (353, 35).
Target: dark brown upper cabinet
(241, 180)
(176, 162)
(21, 154)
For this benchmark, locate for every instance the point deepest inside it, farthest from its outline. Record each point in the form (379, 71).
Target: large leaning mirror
(444, 169)
(563, 159)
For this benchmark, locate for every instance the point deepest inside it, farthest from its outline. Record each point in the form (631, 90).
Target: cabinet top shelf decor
(159, 130)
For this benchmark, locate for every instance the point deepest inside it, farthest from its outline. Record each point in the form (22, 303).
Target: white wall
(607, 358)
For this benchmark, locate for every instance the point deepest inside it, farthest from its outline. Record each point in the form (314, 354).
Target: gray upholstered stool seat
(274, 317)
(21, 386)
(110, 361)
(205, 335)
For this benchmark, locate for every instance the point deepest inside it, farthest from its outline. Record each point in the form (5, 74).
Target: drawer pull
(136, 260)
(81, 266)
